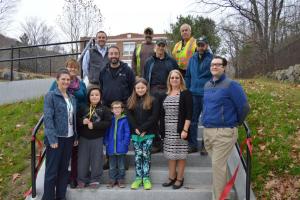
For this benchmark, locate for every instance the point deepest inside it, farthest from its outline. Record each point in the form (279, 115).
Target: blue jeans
(197, 108)
(56, 174)
(117, 167)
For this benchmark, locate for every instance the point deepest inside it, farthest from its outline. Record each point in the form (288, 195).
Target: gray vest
(96, 64)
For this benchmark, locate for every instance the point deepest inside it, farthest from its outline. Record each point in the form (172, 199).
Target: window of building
(109, 44)
(128, 48)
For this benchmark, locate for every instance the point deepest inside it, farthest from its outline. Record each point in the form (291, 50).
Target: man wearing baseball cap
(142, 52)
(157, 69)
(197, 74)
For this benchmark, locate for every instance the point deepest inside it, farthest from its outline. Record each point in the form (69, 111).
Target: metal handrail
(34, 168)
(42, 45)
(247, 163)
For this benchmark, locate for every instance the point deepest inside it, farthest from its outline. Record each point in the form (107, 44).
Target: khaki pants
(219, 143)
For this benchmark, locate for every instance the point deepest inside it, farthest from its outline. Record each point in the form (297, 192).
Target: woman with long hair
(177, 112)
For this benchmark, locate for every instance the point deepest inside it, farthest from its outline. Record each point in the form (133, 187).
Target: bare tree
(6, 9)
(259, 24)
(79, 18)
(37, 31)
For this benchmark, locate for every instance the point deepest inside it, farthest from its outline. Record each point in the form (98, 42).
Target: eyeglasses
(175, 77)
(200, 45)
(117, 107)
(161, 45)
(216, 64)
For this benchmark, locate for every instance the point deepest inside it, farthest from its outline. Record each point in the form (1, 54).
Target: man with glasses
(142, 52)
(157, 69)
(225, 107)
(197, 74)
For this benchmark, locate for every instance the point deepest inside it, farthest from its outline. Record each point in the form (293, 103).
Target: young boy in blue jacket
(117, 140)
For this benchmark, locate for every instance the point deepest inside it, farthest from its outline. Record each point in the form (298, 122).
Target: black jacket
(101, 121)
(185, 111)
(116, 85)
(160, 69)
(144, 120)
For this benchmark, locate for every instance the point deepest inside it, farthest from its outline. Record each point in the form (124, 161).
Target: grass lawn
(274, 120)
(275, 123)
(17, 120)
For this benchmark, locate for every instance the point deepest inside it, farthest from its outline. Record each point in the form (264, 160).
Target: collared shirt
(86, 59)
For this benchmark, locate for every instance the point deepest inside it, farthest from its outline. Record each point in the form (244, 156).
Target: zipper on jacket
(222, 110)
(115, 135)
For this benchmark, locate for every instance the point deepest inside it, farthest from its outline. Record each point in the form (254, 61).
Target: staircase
(197, 181)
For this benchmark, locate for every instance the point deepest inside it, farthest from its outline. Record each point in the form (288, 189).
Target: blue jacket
(224, 104)
(198, 72)
(56, 116)
(80, 94)
(117, 137)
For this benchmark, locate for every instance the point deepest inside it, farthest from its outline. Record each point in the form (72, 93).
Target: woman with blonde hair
(177, 112)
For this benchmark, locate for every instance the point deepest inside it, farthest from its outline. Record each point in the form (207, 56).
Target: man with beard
(116, 79)
(95, 59)
(142, 52)
(157, 69)
(197, 74)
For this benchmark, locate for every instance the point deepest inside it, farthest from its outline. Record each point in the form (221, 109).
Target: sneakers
(94, 185)
(147, 184)
(136, 183)
(121, 183)
(80, 185)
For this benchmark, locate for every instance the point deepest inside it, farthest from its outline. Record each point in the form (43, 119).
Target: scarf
(74, 85)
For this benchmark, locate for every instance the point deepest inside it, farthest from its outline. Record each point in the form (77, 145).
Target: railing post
(248, 177)
(33, 173)
(12, 63)
(19, 62)
(50, 66)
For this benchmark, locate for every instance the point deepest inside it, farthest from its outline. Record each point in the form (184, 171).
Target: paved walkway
(15, 91)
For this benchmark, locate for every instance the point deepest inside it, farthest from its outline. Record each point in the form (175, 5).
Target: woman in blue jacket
(60, 136)
(78, 89)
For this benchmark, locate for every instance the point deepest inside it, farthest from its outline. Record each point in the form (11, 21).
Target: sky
(120, 16)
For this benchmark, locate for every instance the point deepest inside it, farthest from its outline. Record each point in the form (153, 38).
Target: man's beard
(114, 61)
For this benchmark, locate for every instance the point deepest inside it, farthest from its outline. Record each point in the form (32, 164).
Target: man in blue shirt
(197, 74)
(225, 107)
(95, 59)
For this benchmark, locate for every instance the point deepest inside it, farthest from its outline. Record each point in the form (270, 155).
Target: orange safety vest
(183, 54)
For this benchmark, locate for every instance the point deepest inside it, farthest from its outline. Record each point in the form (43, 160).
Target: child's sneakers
(136, 183)
(147, 184)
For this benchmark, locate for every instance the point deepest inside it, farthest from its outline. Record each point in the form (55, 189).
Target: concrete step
(187, 192)
(158, 159)
(159, 175)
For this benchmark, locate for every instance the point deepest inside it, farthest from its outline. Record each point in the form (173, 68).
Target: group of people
(155, 104)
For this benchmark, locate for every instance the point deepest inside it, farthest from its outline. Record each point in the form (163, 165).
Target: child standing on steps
(93, 120)
(143, 112)
(117, 140)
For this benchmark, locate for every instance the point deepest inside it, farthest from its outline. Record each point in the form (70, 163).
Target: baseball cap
(148, 30)
(202, 39)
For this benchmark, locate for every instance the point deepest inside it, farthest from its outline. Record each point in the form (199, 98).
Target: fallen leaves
(284, 188)
(15, 176)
